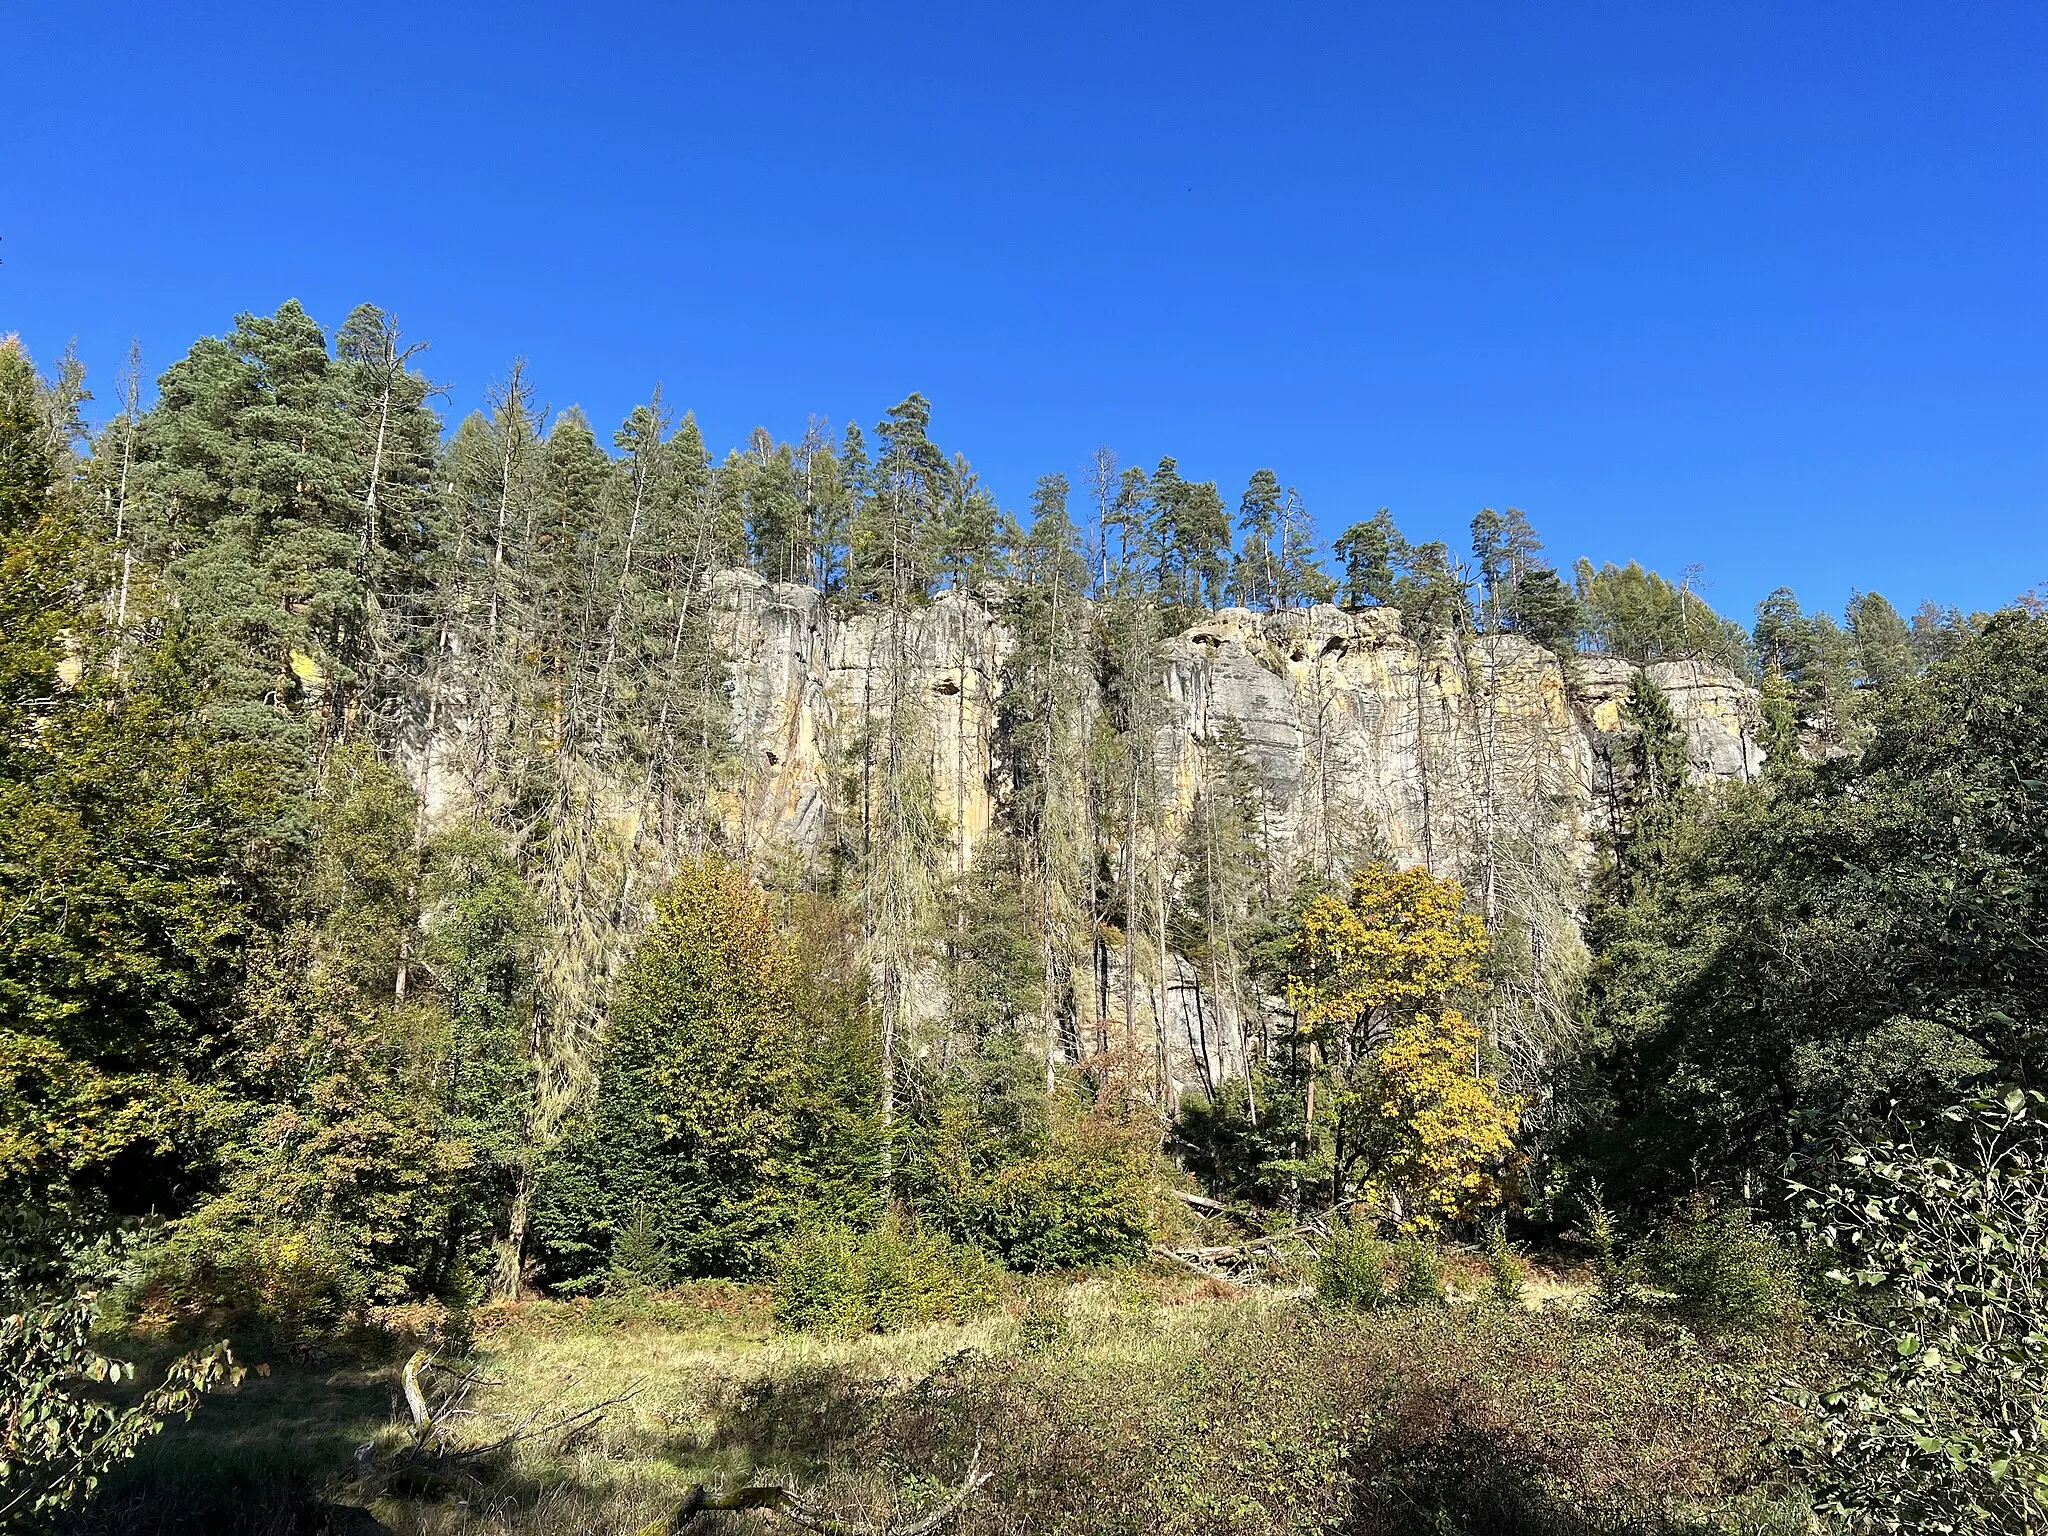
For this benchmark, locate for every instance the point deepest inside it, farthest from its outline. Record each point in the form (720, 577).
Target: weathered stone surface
(1365, 742)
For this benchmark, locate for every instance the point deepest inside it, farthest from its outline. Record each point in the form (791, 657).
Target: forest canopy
(372, 929)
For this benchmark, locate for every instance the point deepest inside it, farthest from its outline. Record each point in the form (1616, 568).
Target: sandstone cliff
(1473, 758)
(1363, 739)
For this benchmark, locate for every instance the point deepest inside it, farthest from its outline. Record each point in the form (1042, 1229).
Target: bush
(1422, 1274)
(837, 1281)
(1725, 1268)
(1505, 1275)
(1083, 1196)
(1274, 1421)
(59, 1437)
(1351, 1270)
(1044, 1324)
(1614, 1271)
(305, 1280)
(1942, 1259)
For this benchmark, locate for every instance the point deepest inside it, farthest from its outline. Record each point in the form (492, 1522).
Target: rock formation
(1363, 739)
(1364, 743)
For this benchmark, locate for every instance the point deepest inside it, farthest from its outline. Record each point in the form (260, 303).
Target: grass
(1121, 1403)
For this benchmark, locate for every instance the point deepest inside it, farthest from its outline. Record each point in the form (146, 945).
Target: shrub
(1724, 1267)
(1273, 1421)
(1082, 1196)
(58, 1439)
(837, 1281)
(1615, 1288)
(1044, 1325)
(1422, 1274)
(301, 1280)
(1351, 1270)
(1942, 1256)
(1505, 1275)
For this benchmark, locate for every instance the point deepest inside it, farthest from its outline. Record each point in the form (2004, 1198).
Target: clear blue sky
(1763, 286)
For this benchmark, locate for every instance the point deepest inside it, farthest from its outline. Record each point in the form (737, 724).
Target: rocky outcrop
(1488, 758)
(1364, 741)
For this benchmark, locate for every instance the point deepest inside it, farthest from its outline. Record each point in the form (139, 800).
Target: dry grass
(1138, 1402)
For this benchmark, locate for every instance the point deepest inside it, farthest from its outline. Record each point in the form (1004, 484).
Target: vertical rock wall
(1363, 742)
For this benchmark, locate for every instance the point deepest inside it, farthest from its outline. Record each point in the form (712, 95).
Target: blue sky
(1763, 287)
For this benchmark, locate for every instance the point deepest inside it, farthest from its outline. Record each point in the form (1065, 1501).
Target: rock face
(1365, 743)
(1362, 743)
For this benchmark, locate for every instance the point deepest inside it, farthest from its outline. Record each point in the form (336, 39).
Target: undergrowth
(1126, 1403)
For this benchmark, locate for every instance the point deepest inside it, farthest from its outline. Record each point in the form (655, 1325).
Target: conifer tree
(1223, 881)
(1885, 654)
(1257, 573)
(691, 1132)
(1371, 551)
(1047, 730)
(895, 528)
(1302, 577)
(827, 507)
(252, 487)
(397, 450)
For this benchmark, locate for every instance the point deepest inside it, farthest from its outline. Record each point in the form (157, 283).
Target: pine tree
(1257, 573)
(778, 521)
(1044, 710)
(968, 551)
(895, 529)
(1370, 552)
(397, 448)
(1302, 577)
(1816, 661)
(1637, 614)
(1651, 785)
(1885, 654)
(1192, 536)
(252, 487)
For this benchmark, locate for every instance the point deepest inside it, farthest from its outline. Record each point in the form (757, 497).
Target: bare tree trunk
(618, 616)
(130, 406)
(511, 1265)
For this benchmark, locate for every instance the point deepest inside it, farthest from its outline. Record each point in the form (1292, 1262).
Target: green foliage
(1637, 614)
(139, 852)
(1520, 593)
(1801, 953)
(835, 1280)
(1419, 1266)
(1504, 1273)
(1404, 1421)
(252, 479)
(1351, 1269)
(1368, 551)
(691, 1123)
(1044, 1324)
(1817, 662)
(1935, 1240)
(1723, 1267)
(57, 1439)
(1615, 1271)
(1191, 531)
(1072, 1191)
(1250, 1156)
(1886, 657)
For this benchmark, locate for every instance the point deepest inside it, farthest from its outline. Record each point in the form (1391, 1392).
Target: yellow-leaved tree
(1409, 1107)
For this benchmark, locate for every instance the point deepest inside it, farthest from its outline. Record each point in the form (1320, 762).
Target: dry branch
(780, 1502)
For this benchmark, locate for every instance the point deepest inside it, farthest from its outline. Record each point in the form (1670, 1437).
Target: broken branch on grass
(427, 1452)
(805, 1516)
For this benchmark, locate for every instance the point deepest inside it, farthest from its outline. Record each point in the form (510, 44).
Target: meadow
(1131, 1401)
